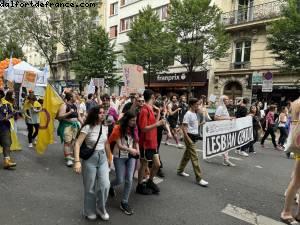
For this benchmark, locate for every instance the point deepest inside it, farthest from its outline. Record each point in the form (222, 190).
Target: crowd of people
(128, 131)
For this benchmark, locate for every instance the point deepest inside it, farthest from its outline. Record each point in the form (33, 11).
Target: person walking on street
(32, 118)
(6, 113)
(286, 215)
(125, 152)
(148, 124)
(283, 126)
(223, 114)
(270, 128)
(242, 111)
(69, 125)
(95, 169)
(190, 128)
(256, 128)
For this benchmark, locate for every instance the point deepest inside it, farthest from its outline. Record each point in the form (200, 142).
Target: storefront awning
(183, 84)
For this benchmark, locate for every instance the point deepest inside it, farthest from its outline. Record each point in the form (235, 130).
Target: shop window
(113, 31)
(113, 9)
(242, 54)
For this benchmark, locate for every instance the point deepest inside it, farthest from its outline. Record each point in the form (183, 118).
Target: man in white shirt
(190, 129)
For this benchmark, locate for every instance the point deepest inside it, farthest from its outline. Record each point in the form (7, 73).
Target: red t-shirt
(148, 140)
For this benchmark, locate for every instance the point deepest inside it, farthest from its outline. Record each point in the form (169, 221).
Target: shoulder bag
(86, 152)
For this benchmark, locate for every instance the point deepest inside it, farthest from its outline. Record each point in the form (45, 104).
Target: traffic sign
(267, 85)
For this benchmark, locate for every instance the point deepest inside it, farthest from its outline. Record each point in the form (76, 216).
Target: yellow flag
(51, 105)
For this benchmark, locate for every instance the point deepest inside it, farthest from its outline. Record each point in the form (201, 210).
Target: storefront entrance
(233, 90)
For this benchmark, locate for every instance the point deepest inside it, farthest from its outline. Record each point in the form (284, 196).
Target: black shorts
(148, 154)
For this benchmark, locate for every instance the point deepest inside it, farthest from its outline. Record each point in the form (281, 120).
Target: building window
(245, 10)
(126, 2)
(126, 23)
(242, 54)
(162, 12)
(113, 31)
(113, 9)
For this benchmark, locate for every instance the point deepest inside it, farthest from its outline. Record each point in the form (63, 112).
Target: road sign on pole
(267, 82)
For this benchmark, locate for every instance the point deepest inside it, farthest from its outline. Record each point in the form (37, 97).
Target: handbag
(86, 152)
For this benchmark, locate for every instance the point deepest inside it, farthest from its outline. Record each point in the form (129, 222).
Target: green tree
(201, 36)
(11, 47)
(284, 36)
(45, 27)
(149, 45)
(96, 59)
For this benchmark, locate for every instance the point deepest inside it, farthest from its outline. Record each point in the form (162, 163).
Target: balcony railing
(240, 65)
(254, 13)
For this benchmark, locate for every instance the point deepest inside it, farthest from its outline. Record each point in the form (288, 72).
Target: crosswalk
(248, 216)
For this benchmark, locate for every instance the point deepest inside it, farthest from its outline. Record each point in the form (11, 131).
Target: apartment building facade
(246, 22)
(120, 16)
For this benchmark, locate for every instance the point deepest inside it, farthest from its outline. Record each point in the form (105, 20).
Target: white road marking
(258, 166)
(230, 157)
(248, 216)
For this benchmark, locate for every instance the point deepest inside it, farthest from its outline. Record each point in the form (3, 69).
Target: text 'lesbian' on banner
(222, 136)
(133, 76)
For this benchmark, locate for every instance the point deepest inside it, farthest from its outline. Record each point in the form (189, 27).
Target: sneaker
(279, 148)
(183, 174)
(151, 185)
(30, 145)
(160, 173)
(112, 192)
(35, 142)
(242, 153)
(91, 217)
(180, 146)
(9, 163)
(143, 189)
(203, 183)
(69, 163)
(103, 214)
(237, 151)
(167, 143)
(126, 208)
(228, 163)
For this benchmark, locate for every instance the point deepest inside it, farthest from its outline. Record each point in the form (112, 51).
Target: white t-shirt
(222, 112)
(82, 108)
(92, 135)
(190, 118)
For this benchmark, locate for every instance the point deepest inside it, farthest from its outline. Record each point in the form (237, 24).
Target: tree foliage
(45, 27)
(149, 45)
(201, 36)
(284, 36)
(96, 59)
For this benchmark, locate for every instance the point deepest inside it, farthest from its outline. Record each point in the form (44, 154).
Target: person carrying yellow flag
(51, 105)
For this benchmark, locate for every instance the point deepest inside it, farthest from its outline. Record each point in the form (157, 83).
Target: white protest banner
(91, 87)
(29, 80)
(133, 76)
(99, 82)
(222, 136)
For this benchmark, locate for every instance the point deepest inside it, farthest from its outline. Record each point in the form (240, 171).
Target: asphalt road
(43, 191)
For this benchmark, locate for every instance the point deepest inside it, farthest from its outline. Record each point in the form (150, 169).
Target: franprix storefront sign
(171, 77)
(222, 136)
(182, 78)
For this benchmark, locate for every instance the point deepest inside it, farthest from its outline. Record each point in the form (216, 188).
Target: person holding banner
(223, 114)
(190, 128)
(6, 113)
(68, 126)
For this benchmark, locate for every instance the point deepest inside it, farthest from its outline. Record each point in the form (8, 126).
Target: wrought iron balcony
(254, 13)
(240, 65)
